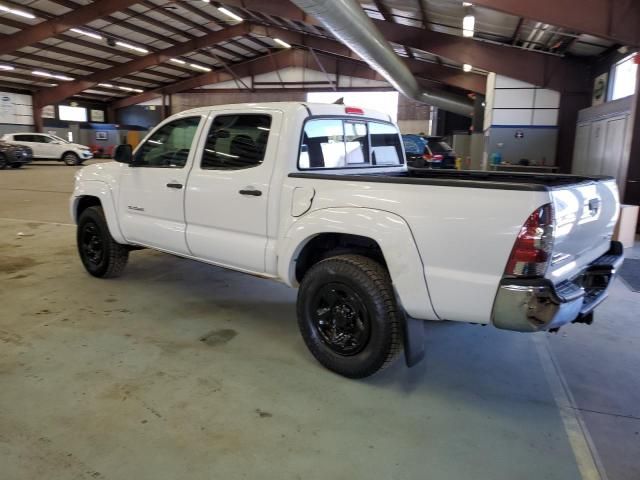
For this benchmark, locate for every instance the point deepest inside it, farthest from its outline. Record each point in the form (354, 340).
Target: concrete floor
(181, 370)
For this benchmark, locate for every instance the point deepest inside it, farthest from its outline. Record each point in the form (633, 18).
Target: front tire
(348, 316)
(16, 165)
(101, 255)
(3, 162)
(71, 159)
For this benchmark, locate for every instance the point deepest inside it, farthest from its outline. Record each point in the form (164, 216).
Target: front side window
(337, 143)
(236, 141)
(168, 147)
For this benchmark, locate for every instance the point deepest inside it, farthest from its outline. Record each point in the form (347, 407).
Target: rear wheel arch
(332, 244)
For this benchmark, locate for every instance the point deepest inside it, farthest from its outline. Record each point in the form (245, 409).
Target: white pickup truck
(319, 197)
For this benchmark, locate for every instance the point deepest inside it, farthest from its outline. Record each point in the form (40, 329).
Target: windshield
(55, 137)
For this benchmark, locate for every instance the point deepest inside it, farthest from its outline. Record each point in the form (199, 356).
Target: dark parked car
(14, 155)
(428, 152)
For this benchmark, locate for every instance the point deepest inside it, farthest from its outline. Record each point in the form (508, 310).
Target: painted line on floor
(25, 220)
(586, 455)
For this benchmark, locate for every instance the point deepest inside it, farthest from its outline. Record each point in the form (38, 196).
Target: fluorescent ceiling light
(468, 25)
(40, 73)
(106, 85)
(467, 4)
(466, 67)
(132, 47)
(177, 60)
(6, 67)
(206, 1)
(129, 89)
(282, 43)
(17, 12)
(199, 67)
(88, 34)
(230, 14)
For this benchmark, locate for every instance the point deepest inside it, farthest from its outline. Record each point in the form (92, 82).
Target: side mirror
(123, 154)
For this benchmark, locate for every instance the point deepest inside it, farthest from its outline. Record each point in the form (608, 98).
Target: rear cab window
(341, 143)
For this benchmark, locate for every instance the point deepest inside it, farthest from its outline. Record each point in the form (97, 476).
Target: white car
(318, 197)
(51, 147)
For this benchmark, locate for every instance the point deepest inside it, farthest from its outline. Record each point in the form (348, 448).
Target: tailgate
(585, 216)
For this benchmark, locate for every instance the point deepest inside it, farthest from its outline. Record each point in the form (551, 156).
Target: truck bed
(464, 178)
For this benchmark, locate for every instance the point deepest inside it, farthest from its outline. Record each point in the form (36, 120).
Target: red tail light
(354, 110)
(532, 251)
(438, 158)
(427, 156)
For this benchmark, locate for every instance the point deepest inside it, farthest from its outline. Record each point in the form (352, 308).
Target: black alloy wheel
(341, 319)
(91, 243)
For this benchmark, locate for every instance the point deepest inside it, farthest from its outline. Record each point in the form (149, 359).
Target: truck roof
(291, 107)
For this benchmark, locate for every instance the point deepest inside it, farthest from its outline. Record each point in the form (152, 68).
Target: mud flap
(414, 340)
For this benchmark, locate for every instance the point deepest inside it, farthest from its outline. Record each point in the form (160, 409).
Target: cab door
(227, 197)
(151, 196)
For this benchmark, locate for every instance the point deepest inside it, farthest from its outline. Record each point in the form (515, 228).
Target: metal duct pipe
(348, 22)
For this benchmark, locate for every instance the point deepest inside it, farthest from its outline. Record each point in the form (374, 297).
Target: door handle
(174, 185)
(252, 192)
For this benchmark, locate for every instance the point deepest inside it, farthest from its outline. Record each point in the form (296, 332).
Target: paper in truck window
(345, 143)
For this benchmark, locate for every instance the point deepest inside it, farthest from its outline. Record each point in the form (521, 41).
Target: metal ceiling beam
(543, 70)
(50, 28)
(256, 66)
(529, 66)
(53, 95)
(265, 64)
(439, 73)
(616, 20)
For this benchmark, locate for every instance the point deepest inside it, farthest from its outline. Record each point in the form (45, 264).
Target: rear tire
(71, 159)
(3, 162)
(101, 255)
(16, 165)
(348, 316)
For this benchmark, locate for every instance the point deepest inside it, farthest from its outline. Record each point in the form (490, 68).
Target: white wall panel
(520, 116)
(513, 98)
(546, 98)
(506, 82)
(545, 117)
(16, 109)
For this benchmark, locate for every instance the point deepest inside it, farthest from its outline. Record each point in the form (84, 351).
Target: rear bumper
(531, 305)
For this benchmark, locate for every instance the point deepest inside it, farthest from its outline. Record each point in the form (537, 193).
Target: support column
(111, 114)
(570, 105)
(37, 119)
(166, 106)
(631, 193)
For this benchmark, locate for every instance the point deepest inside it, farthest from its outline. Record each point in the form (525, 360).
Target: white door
(51, 147)
(151, 196)
(32, 141)
(228, 192)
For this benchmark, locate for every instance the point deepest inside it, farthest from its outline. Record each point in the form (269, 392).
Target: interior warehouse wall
(16, 112)
(185, 101)
(413, 117)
